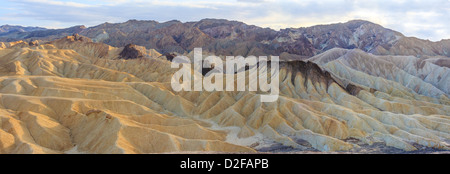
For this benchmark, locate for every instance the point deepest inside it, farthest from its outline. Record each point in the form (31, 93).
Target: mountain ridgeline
(224, 37)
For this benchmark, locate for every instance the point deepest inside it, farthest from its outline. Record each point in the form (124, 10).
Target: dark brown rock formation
(353, 89)
(170, 56)
(131, 51)
(33, 43)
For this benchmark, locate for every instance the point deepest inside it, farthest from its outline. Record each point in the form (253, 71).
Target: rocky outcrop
(33, 43)
(170, 56)
(77, 37)
(309, 70)
(132, 51)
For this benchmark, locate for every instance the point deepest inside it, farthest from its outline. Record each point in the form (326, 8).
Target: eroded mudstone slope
(71, 96)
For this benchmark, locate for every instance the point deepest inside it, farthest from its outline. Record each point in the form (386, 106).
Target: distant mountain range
(224, 37)
(7, 29)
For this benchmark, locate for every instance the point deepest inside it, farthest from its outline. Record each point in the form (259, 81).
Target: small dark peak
(221, 21)
(77, 37)
(358, 21)
(135, 21)
(132, 51)
(33, 43)
(170, 56)
(309, 70)
(353, 89)
(132, 21)
(173, 21)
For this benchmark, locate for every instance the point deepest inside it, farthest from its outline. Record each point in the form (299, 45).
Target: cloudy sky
(427, 19)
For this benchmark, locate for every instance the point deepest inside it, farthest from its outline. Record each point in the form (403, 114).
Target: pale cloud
(60, 3)
(424, 19)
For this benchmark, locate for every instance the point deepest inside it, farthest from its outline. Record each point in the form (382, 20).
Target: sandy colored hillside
(75, 96)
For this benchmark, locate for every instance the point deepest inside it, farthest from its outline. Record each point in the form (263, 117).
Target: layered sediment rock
(73, 96)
